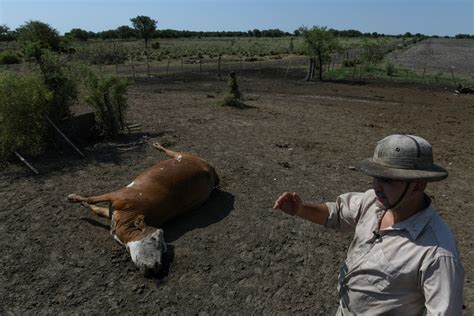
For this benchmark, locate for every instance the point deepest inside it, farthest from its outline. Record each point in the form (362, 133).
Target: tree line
(145, 25)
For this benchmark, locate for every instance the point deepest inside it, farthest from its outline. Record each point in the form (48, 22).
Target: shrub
(107, 96)
(351, 63)
(155, 45)
(24, 101)
(233, 95)
(39, 33)
(390, 69)
(63, 86)
(102, 55)
(8, 58)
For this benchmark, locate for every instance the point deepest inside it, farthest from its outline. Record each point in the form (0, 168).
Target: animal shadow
(95, 223)
(168, 257)
(216, 208)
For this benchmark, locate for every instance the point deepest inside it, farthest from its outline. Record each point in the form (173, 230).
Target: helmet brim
(373, 169)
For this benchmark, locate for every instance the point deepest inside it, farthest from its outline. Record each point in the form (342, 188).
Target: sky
(429, 17)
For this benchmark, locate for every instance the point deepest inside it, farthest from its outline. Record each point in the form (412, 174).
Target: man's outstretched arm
(291, 203)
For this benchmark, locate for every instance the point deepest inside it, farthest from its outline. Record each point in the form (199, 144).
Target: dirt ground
(234, 255)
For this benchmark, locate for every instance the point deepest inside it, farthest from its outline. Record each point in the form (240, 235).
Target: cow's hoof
(74, 198)
(147, 253)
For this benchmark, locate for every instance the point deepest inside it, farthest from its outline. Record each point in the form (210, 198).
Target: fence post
(219, 67)
(288, 68)
(241, 65)
(454, 79)
(147, 64)
(116, 58)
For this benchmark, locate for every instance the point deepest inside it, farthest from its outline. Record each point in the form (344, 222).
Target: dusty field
(438, 55)
(234, 255)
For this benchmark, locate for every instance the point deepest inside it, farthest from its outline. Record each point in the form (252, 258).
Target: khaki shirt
(412, 267)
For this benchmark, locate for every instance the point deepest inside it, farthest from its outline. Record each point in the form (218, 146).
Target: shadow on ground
(216, 208)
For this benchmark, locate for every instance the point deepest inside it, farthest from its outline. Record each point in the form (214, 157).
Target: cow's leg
(74, 198)
(169, 153)
(88, 202)
(100, 211)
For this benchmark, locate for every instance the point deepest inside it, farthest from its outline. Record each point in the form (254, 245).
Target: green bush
(37, 31)
(107, 96)
(390, 69)
(233, 96)
(24, 101)
(102, 54)
(61, 84)
(8, 58)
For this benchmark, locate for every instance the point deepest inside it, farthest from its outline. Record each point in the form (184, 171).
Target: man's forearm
(317, 213)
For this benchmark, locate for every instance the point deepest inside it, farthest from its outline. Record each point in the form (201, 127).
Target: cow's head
(147, 253)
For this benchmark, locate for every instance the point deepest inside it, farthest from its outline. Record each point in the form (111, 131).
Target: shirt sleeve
(442, 284)
(345, 212)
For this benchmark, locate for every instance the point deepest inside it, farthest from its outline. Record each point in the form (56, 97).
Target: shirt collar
(417, 222)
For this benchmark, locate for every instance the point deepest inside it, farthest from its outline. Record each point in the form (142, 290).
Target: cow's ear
(139, 222)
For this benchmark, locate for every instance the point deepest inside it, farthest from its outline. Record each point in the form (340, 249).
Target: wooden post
(288, 69)
(311, 68)
(147, 64)
(168, 66)
(116, 58)
(131, 66)
(64, 136)
(26, 163)
(219, 67)
(241, 65)
(452, 74)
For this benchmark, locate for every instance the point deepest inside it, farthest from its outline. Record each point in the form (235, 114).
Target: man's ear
(419, 186)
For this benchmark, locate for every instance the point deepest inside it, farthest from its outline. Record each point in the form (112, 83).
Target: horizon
(367, 16)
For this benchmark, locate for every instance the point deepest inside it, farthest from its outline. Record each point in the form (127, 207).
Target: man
(403, 259)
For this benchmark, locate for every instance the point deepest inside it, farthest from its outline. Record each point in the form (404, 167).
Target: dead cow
(162, 192)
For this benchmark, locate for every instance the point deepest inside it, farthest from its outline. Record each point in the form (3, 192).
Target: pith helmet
(403, 157)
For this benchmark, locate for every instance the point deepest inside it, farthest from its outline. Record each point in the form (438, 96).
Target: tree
(40, 41)
(257, 33)
(125, 32)
(109, 34)
(372, 51)
(6, 34)
(39, 33)
(320, 43)
(78, 34)
(145, 27)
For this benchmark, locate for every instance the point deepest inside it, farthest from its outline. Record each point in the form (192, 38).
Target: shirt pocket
(373, 273)
(381, 273)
